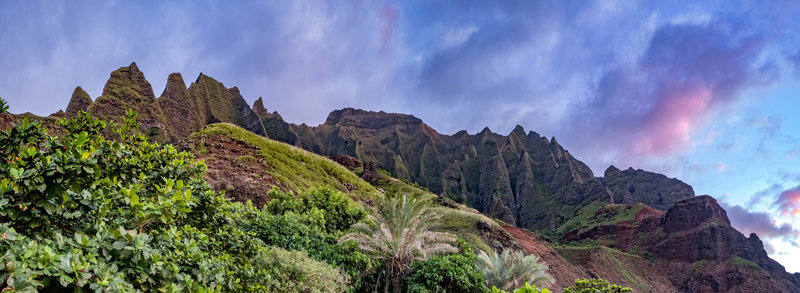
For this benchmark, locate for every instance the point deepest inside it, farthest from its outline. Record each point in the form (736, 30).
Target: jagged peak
(175, 87)
(485, 131)
(260, 110)
(519, 130)
(134, 68)
(611, 170)
(128, 77)
(80, 101)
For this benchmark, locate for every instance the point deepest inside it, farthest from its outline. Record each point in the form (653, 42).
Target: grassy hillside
(290, 168)
(239, 168)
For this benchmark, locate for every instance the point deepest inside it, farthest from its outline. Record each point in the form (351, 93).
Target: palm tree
(510, 270)
(399, 232)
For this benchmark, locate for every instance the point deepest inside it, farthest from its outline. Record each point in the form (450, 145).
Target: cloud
(760, 223)
(649, 108)
(389, 17)
(761, 195)
(788, 202)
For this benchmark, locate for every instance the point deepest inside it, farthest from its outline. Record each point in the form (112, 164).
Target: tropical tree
(397, 232)
(509, 270)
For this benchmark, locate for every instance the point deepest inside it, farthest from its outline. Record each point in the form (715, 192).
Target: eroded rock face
(522, 179)
(179, 111)
(126, 89)
(80, 101)
(273, 123)
(183, 112)
(652, 189)
(700, 249)
(221, 104)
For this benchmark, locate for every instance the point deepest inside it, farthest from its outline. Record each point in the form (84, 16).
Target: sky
(704, 91)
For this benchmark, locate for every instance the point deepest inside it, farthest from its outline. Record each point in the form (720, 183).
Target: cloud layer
(788, 202)
(760, 223)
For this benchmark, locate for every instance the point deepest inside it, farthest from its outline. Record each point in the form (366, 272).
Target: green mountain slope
(247, 166)
(288, 168)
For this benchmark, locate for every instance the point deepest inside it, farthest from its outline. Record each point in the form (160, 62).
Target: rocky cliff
(653, 189)
(695, 243)
(522, 178)
(178, 112)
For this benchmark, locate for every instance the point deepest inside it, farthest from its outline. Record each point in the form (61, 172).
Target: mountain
(653, 189)
(177, 113)
(693, 241)
(633, 227)
(521, 178)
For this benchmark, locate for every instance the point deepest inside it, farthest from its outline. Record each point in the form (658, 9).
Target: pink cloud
(644, 113)
(389, 18)
(760, 223)
(789, 202)
(672, 119)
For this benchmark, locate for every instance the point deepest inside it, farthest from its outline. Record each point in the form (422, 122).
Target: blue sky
(705, 92)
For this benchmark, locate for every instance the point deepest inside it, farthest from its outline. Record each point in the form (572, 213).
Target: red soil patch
(233, 166)
(648, 213)
(563, 271)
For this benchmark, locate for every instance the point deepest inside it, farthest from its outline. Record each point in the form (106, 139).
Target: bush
(312, 222)
(294, 271)
(527, 288)
(83, 212)
(595, 286)
(447, 273)
(337, 211)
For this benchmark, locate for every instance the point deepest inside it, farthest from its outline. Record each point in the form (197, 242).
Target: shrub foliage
(86, 213)
(447, 273)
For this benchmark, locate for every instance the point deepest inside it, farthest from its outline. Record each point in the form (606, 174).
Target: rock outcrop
(177, 113)
(274, 125)
(80, 101)
(522, 179)
(700, 249)
(126, 89)
(653, 189)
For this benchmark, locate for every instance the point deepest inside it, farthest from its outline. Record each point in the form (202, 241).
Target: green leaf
(119, 244)
(134, 199)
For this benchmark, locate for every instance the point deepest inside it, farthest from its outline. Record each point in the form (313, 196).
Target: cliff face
(653, 189)
(179, 111)
(80, 101)
(696, 244)
(126, 89)
(522, 178)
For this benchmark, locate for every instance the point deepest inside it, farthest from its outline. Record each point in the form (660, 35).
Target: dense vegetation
(83, 212)
(103, 209)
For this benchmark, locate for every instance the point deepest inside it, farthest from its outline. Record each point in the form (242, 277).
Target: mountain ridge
(522, 179)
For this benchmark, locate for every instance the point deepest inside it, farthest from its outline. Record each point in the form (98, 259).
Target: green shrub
(447, 273)
(595, 286)
(743, 263)
(83, 212)
(527, 288)
(338, 212)
(312, 222)
(294, 271)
